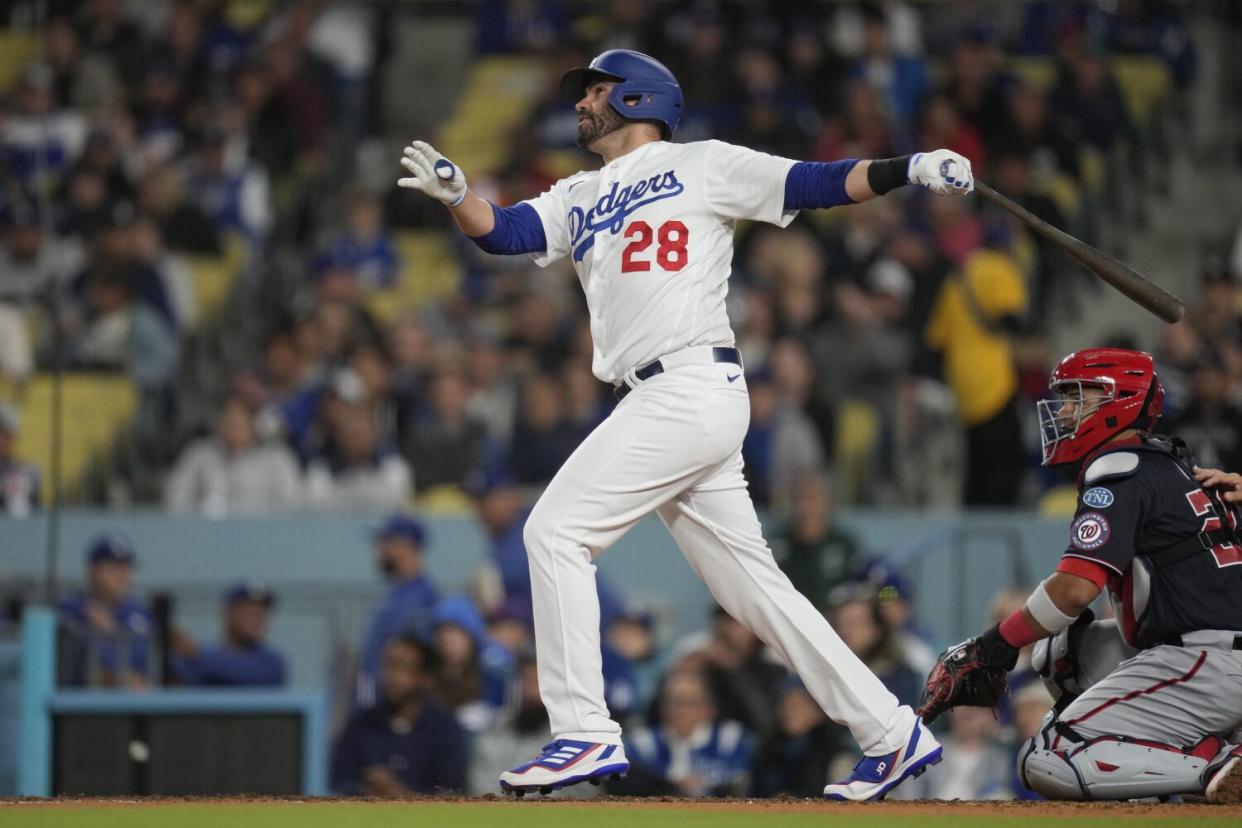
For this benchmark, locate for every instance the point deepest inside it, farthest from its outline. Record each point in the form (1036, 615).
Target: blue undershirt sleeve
(810, 185)
(518, 230)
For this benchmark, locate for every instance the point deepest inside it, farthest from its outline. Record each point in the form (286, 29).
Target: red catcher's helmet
(1133, 397)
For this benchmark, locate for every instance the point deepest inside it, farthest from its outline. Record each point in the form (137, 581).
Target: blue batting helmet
(645, 89)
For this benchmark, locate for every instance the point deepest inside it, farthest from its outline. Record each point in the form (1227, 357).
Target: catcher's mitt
(971, 673)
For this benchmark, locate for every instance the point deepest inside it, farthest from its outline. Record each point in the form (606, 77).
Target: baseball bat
(1126, 279)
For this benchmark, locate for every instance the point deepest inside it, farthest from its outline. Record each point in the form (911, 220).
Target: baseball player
(650, 235)
(1149, 705)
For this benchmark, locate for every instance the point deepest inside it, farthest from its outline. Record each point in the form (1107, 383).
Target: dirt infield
(1053, 811)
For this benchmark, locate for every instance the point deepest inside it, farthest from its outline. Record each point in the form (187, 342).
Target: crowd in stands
(879, 339)
(445, 694)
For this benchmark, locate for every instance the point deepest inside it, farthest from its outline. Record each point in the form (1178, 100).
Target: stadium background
(211, 235)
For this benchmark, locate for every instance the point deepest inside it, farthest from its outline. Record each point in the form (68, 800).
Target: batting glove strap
(887, 174)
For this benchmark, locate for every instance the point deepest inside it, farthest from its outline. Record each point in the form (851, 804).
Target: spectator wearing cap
(895, 596)
(796, 758)
(233, 472)
(854, 611)
(364, 252)
(30, 262)
(19, 481)
(409, 604)
(243, 659)
(502, 510)
(816, 553)
(407, 742)
(109, 634)
(692, 752)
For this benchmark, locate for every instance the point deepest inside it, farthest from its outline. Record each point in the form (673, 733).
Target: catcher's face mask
(1073, 407)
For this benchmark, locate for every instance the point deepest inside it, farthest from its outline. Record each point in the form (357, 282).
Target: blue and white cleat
(875, 776)
(564, 763)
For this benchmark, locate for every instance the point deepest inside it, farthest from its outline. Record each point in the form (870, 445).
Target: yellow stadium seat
(1037, 72)
(857, 433)
(213, 279)
(430, 272)
(246, 14)
(94, 410)
(498, 95)
(443, 500)
(17, 50)
(1061, 501)
(1144, 82)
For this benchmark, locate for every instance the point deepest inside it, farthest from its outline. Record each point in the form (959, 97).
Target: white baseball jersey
(651, 238)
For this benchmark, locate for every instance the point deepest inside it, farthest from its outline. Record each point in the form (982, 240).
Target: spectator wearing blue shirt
(108, 637)
(408, 743)
(364, 253)
(409, 605)
(474, 672)
(691, 753)
(243, 659)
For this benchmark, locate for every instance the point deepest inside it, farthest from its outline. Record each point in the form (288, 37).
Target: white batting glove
(942, 171)
(433, 174)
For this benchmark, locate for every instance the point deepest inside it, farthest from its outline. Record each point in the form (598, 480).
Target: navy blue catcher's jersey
(1137, 505)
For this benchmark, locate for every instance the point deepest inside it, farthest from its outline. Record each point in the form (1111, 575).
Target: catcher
(1149, 705)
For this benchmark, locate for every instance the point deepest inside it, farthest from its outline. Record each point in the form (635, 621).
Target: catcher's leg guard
(1108, 767)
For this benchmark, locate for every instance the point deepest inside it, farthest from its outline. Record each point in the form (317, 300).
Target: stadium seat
(17, 50)
(499, 94)
(214, 277)
(1037, 72)
(1144, 83)
(430, 271)
(95, 408)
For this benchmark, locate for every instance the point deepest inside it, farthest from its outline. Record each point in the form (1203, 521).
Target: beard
(597, 125)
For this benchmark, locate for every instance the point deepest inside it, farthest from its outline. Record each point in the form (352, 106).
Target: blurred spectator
(812, 550)
(502, 511)
(493, 390)
(854, 612)
(976, 766)
(896, 598)
(474, 673)
(109, 634)
(1211, 422)
(243, 659)
(745, 681)
(118, 331)
(364, 250)
(234, 473)
(542, 440)
(693, 752)
(523, 732)
(977, 82)
(20, 484)
(234, 195)
(444, 443)
(30, 263)
(796, 758)
(903, 27)
(781, 442)
(520, 26)
(16, 357)
(38, 134)
(1087, 101)
(182, 223)
(900, 78)
(1031, 702)
(408, 743)
(356, 470)
(974, 316)
(410, 602)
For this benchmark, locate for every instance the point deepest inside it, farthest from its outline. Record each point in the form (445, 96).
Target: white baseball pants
(673, 446)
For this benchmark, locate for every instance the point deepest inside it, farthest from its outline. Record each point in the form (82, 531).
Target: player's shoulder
(1113, 466)
(570, 181)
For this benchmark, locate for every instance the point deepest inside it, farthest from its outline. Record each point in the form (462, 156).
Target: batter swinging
(651, 238)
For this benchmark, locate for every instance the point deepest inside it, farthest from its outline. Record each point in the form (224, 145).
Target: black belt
(1176, 641)
(651, 369)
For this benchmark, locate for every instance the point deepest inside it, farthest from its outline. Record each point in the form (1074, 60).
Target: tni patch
(1098, 498)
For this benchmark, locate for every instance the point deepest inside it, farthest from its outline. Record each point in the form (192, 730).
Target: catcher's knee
(1107, 767)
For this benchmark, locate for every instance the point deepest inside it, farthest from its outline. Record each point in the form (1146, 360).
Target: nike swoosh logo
(732, 378)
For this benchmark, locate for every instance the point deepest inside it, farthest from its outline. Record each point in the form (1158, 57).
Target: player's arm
(811, 184)
(494, 229)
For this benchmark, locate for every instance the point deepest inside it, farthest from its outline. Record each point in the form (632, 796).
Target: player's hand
(433, 174)
(942, 171)
(1229, 483)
